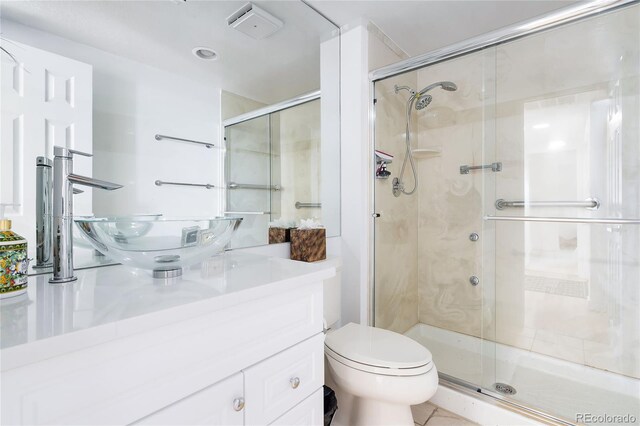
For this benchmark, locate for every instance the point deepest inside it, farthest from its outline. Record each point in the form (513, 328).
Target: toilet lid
(377, 347)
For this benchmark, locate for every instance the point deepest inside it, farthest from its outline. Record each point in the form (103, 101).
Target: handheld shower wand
(423, 100)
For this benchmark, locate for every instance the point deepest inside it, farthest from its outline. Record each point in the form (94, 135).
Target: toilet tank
(332, 297)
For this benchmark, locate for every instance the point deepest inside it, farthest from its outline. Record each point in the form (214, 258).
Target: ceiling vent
(254, 22)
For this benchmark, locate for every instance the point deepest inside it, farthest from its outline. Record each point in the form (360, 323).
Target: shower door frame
(549, 21)
(251, 115)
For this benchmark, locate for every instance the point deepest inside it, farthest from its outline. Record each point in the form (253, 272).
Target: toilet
(377, 374)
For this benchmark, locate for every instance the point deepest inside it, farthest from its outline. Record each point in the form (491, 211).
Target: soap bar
(13, 264)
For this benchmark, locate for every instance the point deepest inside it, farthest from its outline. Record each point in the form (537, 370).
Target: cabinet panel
(211, 406)
(162, 366)
(279, 383)
(309, 412)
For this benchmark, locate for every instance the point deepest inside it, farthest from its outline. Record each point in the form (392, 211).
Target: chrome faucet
(43, 212)
(63, 180)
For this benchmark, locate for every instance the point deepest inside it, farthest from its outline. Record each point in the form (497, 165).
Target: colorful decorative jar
(14, 263)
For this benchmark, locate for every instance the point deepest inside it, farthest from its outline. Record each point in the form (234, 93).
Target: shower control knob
(474, 236)
(474, 280)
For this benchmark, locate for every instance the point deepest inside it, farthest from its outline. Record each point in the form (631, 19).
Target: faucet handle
(86, 154)
(61, 151)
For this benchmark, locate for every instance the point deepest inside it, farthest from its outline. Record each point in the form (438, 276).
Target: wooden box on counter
(279, 235)
(308, 245)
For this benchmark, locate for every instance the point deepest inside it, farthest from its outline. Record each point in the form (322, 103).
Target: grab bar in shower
(589, 203)
(247, 213)
(604, 221)
(495, 167)
(234, 185)
(173, 138)
(204, 185)
(300, 205)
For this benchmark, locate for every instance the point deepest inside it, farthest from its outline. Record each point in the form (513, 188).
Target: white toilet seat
(383, 371)
(377, 351)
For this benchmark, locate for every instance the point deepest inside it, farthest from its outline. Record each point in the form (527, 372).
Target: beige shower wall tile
(396, 239)
(450, 204)
(450, 210)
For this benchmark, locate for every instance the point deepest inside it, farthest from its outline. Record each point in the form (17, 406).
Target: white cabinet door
(220, 404)
(309, 412)
(46, 101)
(277, 384)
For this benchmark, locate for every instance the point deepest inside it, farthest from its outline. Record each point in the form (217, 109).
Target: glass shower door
(248, 177)
(428, 244)
(564, 246)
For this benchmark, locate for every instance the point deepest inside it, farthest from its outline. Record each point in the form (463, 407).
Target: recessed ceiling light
(205, 53)
(541, 126)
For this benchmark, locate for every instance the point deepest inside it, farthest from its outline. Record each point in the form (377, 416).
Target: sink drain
(504, 388)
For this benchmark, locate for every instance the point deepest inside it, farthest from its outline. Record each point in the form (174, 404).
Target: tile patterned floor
(432, 415)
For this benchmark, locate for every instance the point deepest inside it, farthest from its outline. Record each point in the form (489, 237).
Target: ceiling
(421, 26)
(162, 33)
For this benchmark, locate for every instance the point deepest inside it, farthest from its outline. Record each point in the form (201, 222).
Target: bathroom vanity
(237, 340)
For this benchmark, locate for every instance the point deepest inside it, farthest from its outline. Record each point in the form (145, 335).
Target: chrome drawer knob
(238, 404)
(295, 382)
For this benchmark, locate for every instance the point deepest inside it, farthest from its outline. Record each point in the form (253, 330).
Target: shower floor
(560, 388)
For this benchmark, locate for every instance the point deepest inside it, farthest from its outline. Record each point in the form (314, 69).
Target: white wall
(363, 48)
(330, 131)
(131, 103)
(354, 185)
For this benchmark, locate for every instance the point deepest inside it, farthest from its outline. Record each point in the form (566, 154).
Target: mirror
(273, 170)
(146, 86)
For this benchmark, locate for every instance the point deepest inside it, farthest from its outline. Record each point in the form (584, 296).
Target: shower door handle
(495, 167)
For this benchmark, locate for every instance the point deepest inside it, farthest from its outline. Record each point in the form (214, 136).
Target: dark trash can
(330, 405)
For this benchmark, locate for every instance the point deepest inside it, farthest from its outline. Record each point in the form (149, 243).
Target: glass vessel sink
(161, 244)
(128, 226)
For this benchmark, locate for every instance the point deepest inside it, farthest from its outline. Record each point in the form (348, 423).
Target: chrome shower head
(445, 85)
(423, 102)
(449, 86)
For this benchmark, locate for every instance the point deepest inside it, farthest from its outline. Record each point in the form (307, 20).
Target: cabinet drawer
(211, 406)
(277, 384)
(309, 412)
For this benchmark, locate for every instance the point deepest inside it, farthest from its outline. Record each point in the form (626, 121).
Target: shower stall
(516, 261)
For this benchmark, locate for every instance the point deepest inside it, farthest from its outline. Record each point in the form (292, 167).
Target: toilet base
(366, 399)
(356, 411)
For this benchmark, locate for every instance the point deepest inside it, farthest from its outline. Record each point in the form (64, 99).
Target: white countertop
(111, 302)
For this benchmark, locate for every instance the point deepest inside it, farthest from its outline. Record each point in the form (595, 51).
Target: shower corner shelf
(426, 152)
